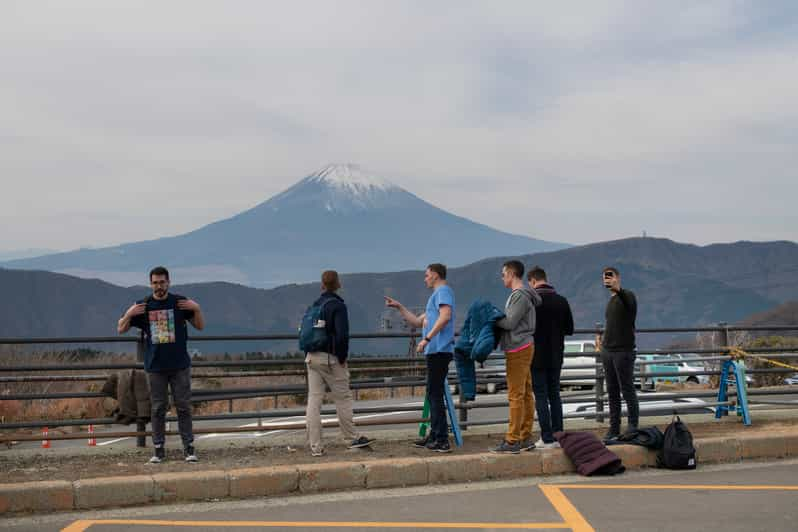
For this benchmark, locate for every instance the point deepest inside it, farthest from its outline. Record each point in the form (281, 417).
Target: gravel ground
(74, 464)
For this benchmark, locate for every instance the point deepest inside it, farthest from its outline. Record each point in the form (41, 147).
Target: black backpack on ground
(677, 450)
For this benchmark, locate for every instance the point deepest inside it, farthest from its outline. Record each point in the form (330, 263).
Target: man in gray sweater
(517, 342)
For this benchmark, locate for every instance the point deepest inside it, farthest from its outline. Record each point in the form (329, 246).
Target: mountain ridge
(339, 217)
(663, 274)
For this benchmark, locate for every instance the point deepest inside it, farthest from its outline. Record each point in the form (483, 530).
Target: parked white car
(574, 376)
(670, 364)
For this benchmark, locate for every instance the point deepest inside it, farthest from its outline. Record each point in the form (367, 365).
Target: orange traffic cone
(45, 441)
(92, 439)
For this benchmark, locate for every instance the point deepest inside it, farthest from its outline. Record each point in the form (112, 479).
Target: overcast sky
(585, 122)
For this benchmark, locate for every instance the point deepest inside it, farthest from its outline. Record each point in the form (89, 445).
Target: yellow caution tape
(739, 354)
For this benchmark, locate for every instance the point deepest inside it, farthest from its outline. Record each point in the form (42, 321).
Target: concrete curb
(55, 496)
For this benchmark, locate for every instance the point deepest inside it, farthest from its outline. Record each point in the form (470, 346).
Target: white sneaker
(553, 445)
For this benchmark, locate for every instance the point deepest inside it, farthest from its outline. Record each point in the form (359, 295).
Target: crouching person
(162, 317)
(324, 336)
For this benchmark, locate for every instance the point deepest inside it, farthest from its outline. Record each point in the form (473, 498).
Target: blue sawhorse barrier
(447, 397)
(738, 368)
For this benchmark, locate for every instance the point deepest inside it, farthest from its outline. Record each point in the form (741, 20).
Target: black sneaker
(610, 436)
(527, 444)
(188, 452)
(506, 447)
(439, 446)
(159, 455)
(362, 441)
(422, 443)
(631, 432)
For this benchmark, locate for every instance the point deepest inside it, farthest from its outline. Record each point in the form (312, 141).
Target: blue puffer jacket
(477, 341)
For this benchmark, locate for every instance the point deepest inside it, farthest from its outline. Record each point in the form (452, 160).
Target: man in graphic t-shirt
(437, 325)
(162, 317)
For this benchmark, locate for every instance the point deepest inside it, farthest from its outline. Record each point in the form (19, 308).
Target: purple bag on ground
(589, 454)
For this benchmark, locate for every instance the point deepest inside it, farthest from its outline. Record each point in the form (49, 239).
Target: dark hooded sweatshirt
(554, 322)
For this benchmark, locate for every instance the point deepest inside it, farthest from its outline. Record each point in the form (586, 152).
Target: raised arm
(123, 325)
(198, 319)
(413, 320)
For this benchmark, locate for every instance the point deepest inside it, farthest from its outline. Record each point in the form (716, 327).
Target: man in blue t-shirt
(437, 325)
(162, 318)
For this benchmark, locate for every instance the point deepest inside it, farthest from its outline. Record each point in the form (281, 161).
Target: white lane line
(300, 424)
(252, 434)
(109, 442)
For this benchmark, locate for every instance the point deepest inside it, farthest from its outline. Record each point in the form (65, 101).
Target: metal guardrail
(404, 373)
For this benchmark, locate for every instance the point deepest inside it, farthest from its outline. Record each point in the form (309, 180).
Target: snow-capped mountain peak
(351, 177)
(343, 189)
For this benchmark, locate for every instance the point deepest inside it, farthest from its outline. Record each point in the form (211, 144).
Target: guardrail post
(463, 416)
(723, 337)
(141, 427)
(599, 387)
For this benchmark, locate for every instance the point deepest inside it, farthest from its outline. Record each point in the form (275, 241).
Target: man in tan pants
(329, 367)
(517, 341)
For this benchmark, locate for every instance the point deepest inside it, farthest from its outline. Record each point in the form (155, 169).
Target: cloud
(522, 115)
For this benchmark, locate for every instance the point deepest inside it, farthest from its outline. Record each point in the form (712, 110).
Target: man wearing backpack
(618, 353)
(326, 354)
(162, 318)
(437, 326)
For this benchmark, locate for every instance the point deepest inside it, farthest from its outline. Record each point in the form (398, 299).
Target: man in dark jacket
(553, 323)
(329, 367)
(618, 352)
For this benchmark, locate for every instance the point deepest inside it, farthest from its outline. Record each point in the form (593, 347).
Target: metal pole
(141, 426)
(463, 416)
(723, 336)
(411, 354)
(599, 377)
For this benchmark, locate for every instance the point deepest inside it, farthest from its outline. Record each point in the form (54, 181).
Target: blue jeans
(546, 386)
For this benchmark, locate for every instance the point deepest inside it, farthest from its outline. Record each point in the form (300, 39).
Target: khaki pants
(325, 369)
(519, 394)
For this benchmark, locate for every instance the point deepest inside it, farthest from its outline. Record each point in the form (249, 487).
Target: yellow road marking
(567, 511)
(553, 492)
(672, 487)
(81, 526)
(78, 526)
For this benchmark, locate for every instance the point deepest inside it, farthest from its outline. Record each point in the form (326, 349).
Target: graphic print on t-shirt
(162, 326)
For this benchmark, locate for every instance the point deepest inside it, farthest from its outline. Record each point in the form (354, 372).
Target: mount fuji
(340, 217)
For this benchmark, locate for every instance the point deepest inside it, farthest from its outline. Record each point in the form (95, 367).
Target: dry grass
(53, 409)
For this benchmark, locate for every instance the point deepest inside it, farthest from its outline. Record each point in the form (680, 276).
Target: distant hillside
(676, 285)
(786, 314)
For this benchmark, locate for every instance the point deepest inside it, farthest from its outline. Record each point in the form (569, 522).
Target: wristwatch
(427, 339)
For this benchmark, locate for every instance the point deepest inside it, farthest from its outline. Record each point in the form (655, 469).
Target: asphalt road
(738, 497)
